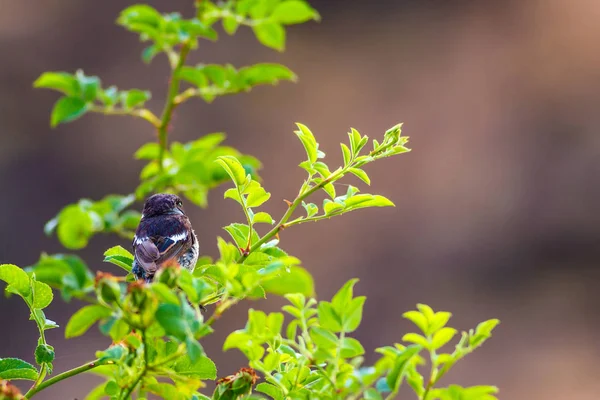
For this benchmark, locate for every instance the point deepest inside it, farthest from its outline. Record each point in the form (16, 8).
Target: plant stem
(131, 388)
(67, 374)
(170, 104)
(42, 341)
(140, 113)
(433, 375)
(288, 214)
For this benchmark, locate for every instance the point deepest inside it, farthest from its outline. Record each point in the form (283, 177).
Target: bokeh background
(498, 205)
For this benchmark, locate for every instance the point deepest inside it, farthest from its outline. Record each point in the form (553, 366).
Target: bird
(163, 237)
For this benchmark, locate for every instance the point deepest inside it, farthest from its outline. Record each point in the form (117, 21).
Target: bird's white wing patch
(179, 236)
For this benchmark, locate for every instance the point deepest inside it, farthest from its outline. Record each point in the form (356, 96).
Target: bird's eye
(179, 203)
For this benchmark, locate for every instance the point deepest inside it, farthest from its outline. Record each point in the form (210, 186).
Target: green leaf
(165, 391)
(330, 190)
(89, 86)
(111, 388)
(17, 280)
(135, 98)
(44, 353)
(351, 348)
(330, 207)
(394, 378)
(323, 338)
(193, 75)
(372, 394)
(262, 217)
(328, 317)
(294, 12)
(67, 109)
(343, 296)
(311, 209)
(97, 393)
(117, 255)
(360, 174)
(483, 332)
(439, 320)
(346, 153)
(170, 318)
(194, 349)
(270, 390)
(75, 227)
(352, 315)
(270, 34)
(61, 81)
(233, 168)
(265, 73)
(14, 368)
(418, 319)
(257, 196)
(202, 368)
(416, 339)
(426, 311)
(308, 141)
(297, 280)
(441, 337)
(84, 318)
(230, 25)
(42, 295)
(148, 151)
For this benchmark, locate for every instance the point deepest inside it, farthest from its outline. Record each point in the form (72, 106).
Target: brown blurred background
(497, 206)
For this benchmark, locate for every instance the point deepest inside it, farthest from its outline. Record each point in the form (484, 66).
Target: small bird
(164, 237)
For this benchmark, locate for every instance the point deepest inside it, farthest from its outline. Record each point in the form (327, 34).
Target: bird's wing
(155, 251)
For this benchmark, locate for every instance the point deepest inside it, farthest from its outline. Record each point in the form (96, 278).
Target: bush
(157, 328)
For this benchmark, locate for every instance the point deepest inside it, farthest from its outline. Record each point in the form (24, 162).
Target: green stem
(433, 375)
(42, 341)
(67, 374)
(170, 104)
(131, 388)
(140, 113)
(288, 214)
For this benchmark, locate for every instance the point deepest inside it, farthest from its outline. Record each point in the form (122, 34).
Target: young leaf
(297, 280)
(441, 337)
(294, 12)
(257, 196)
(270, 34)
(67, 109)
(439, 320)
(418, 319)
(351, 348)
(193, 75)
(135, 98)
(17, 280)
(44, 354)
(233, 168)
(84, 318)
(42, 295)
(270, 390)
(346, 153)
(117, 255)
(416, 339)
(362, 175)
(61, 81)
(262, 217)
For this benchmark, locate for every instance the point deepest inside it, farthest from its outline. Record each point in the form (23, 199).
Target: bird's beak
(176, 211)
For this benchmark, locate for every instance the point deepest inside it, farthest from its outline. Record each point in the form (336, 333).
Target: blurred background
(498, 205)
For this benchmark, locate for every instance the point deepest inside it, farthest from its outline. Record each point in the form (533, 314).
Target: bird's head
(162, 204)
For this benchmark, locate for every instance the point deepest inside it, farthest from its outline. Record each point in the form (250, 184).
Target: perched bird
(164, 237)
